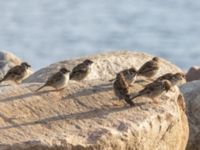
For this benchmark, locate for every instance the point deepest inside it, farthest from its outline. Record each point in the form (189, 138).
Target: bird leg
(155, 101)
(60, 90)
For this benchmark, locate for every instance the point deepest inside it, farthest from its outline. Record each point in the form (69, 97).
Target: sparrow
(81, 71)
(17, 73)
(129, 75)
(150, 68)
(154, 89)
(175, 79)
(58, 81)
(121, 88)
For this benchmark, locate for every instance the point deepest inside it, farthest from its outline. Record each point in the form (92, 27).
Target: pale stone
(10, 57)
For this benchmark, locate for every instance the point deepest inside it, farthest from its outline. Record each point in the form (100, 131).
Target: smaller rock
(10, 57)
(7, 61)
(193, 74)
(191, 95)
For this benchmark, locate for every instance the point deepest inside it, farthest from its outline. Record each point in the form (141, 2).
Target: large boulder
(87, 116)
(191, 92)
(7, 61)
(105, 66)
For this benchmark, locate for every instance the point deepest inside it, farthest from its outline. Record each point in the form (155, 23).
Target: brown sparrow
(129, 74)
(121, 88)
(17, 73)
(175, 79)
(154, 89)
(81, 71)
(150, 68)
(58, 81)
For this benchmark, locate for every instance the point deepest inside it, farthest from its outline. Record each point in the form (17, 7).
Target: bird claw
(116, 104)
(156, 102)
(128, 101)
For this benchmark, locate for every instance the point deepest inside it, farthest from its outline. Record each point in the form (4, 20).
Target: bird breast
(63, 81)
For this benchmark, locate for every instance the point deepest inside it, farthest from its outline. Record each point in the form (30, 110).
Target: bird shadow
(89, 91)
(140, 81)
(24, 96)
(4, 85)
(93, 113)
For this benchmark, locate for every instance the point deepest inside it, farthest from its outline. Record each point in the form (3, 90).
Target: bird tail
(71, 76)
(134, 96)
(111, 80)
(128, 100)
(2, 80)
(40, 88)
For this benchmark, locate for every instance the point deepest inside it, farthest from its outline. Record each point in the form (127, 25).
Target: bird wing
(81, 68)
(151, 87)
(167, 76)
(54, 78)
(148, 66)
(15, 71)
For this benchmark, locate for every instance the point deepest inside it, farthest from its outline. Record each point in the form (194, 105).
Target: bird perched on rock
(121, 88)
(81, 71)
(150, 68)
(154, 89)
(175, 79)
(58, 81)
(17, 73)
(129, 75)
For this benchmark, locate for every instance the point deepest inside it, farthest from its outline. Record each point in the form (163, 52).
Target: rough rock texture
(88, 116)
(193, 74)
(105, 66)
(191, 92)
(7, 60)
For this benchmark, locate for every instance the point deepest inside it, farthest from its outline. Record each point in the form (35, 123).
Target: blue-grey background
(44, 31)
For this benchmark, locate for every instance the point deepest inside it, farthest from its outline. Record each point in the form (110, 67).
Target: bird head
(177, 78)
(156, 59)
(132, 70)
(64, 70)
(88, 62)
(180, 75)
(25, 64)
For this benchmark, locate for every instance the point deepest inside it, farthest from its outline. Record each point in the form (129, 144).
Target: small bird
(81, 71)
(175, 79)
(17, 73)
(121, 88)
(58, 81)
(154, 89)
(129, 74)
(150, 68)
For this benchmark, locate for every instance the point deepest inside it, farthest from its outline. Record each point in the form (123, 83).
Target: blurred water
(42, 32)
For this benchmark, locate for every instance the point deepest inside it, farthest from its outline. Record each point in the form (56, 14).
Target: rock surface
(7, 61)
(191, 92)
(105, 66)
(193, 74)
(88, 116)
